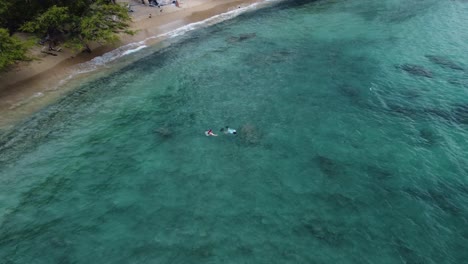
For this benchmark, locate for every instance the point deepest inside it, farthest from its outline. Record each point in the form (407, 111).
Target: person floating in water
(228, 130)
(210, 133)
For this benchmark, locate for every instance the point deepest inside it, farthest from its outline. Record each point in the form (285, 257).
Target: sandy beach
(29, 86)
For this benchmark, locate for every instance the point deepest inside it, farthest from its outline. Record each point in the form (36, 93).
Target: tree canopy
(101, 24)
(74, 23)
(53, 20)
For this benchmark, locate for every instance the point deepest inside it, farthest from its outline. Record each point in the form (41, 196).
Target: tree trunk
(87, 48)
(85, 44)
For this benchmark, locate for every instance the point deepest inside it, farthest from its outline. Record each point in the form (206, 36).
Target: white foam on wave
(109, 57)
(209, 21)
(133, 50)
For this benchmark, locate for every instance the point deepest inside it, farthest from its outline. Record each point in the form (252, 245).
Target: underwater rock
(377, 172)
(445, 202)
(459, 82)
(322, 231)
(262, 59)
(241, 37)
(437, 112)
(221, 49)
(401, 15)
(232, 39)
(406, 111)
(247, 36)
(163, 131)
(460, 113)
(444, 62)
(349, 91)
(439, 199)
(203, 251)
(428, 136)
(249, 134)
(341, 201)
(323, 234)
(415, 70)
(328, 166)
(410, 94)
(407, 254)
(278, 56)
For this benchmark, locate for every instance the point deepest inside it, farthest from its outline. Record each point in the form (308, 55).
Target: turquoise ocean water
(352, 120)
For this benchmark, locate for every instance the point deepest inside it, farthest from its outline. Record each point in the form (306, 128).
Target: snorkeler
(228, 130)
(210, 133)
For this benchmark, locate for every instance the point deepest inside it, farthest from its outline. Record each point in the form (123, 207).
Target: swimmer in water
(228, 130)
(210, 133)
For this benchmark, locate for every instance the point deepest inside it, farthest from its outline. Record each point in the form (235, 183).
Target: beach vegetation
(12, 49)
(75, 24)
(52, 22)
(100, 22)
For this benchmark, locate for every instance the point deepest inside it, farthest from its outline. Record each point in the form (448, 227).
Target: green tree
(102, 24)
(11, 49)
(99, 21)
(51, 22)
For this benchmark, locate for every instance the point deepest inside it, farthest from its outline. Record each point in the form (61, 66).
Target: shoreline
(30, 86)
